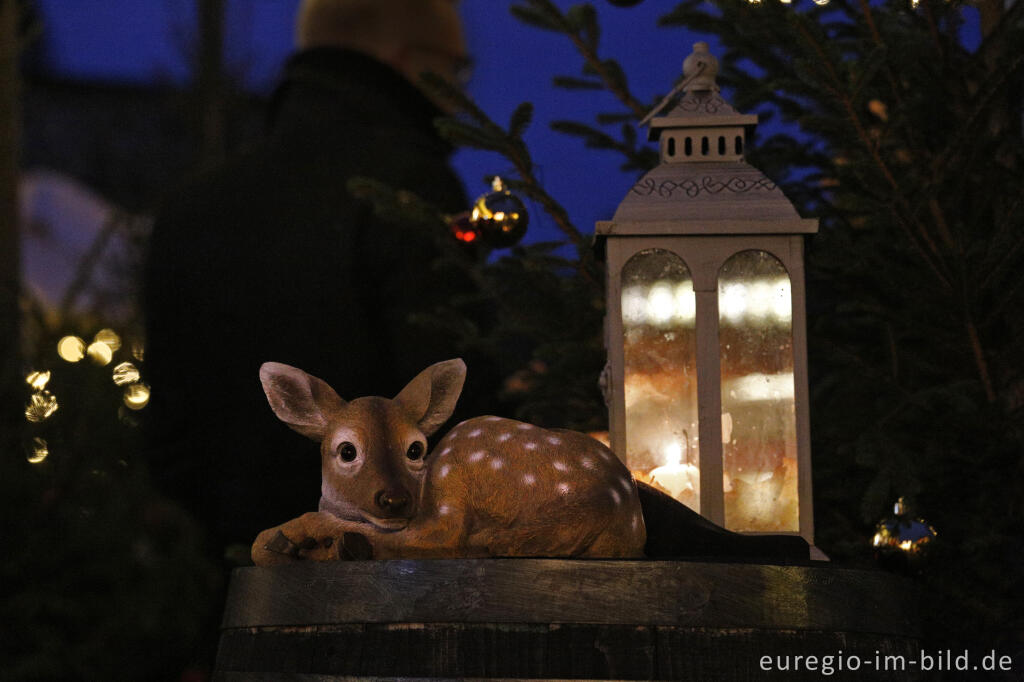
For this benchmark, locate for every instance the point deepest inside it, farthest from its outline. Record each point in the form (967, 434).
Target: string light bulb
(41, 406)
(125, 373)
(71, 348)
(37, 451)
(38, 380)
(100, 353)
(109, 337)
(136, 396)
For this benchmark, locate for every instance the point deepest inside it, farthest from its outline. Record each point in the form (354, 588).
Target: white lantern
(706, 331)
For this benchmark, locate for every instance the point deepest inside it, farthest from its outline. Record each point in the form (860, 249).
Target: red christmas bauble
(463, 229)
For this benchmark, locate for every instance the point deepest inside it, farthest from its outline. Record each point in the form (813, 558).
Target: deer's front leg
(314, 536)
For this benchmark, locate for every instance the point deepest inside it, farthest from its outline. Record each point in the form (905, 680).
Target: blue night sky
(147, 41)
(143, 41)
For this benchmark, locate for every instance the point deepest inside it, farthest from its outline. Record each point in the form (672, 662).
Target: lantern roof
(703, 184)
(701, 103)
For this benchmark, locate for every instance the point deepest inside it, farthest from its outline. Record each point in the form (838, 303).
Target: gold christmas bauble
(500, 217)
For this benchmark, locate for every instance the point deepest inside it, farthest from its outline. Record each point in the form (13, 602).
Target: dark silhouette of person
(270, 258)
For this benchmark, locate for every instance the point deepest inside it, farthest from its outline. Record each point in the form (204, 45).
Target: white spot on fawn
(627, 485)
(445, 451)
(528, 479)
(563, 488)
(444, 471)
(477, 456)
(497, 463)
(560, 466)
(636, 521)
(554, 440)
(475, 432)
(504, 437)
(530, 446)
(524, 427)
(493, 419)
(587, 462)
(445, 509)
(616, 497)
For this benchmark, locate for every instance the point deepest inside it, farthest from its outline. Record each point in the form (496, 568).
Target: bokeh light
(108, 337)
(136, 396)
(100, 353)
(71, 348)
(126, 373)
(40, 406)
(37, 451)
(38, 380)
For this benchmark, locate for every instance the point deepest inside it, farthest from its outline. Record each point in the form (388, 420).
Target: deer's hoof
(354, 547)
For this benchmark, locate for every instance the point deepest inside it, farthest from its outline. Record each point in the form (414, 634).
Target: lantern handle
(671, 96)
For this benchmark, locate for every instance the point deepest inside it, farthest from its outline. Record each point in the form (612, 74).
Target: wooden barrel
(563, 619)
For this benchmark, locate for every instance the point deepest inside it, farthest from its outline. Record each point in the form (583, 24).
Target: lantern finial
(700, 115)
(700, 69)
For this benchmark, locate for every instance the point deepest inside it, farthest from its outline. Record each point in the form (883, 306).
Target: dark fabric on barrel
(674, 531)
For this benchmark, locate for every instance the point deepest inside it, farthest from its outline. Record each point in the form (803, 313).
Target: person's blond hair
(412, 36)
(372, 25)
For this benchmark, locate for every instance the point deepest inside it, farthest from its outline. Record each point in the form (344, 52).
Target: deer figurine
(491, 486)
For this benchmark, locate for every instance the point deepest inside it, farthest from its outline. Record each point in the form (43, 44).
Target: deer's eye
(415, 451)
(347, 451)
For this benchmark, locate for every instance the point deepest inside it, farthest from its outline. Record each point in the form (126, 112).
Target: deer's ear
(298, 399)
(430, 398)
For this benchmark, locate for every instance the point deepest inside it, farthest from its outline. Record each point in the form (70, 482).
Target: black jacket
(269, 258)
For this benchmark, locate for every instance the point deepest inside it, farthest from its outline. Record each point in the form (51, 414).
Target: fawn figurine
(491, 487)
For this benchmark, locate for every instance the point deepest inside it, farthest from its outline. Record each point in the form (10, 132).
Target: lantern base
(555, 618)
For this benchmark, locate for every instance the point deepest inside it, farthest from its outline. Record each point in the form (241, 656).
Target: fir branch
(933, 31)
(574, 83)
(979, 357)
(609, 118)
(537, 17)
(580, 25)
(1006, 255)
(509, 143)
(995, 38)
(400, 207)
(641, 158)
(520, 119)
(834, 84)
(1008, 297)
(966, 133)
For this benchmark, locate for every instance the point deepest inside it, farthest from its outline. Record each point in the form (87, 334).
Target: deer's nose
(392, 500)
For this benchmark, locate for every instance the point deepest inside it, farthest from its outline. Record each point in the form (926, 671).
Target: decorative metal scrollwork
(703, 103)
(693, 188)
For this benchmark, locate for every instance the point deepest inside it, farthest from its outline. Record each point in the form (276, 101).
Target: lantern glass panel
(758, 403)
(660, 348)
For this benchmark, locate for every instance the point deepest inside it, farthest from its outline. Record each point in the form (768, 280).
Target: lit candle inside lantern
(681, 480)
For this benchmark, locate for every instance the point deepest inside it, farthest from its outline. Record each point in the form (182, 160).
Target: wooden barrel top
(696, 594)
(554, 619)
